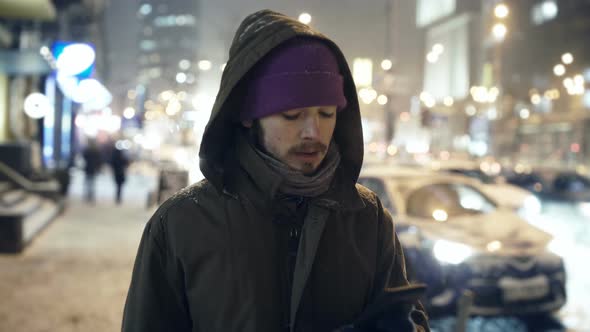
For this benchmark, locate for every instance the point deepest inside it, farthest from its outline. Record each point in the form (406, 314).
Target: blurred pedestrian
(119, 163)
(92, 163)
(278, 237)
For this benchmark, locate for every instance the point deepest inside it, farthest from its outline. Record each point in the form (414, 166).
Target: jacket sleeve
(156, 297)
(392, 267)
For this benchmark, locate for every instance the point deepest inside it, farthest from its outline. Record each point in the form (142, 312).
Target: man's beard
(256, 135)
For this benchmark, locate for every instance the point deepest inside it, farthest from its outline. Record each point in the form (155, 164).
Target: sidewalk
(75, 274)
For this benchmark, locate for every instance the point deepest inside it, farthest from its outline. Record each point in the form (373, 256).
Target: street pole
(389, 107)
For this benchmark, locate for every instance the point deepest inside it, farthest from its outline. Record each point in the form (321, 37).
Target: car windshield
(571, 182)
(473, 173)
(444, 200)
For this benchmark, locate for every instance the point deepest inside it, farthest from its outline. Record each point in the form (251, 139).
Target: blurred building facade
(548, 67)
(168, 45)
(30, 30)
(37, 131)
(505, 94)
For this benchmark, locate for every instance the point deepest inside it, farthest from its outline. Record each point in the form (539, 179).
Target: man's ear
(247, 123)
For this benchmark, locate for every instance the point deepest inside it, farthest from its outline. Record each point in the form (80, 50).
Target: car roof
(405, 173)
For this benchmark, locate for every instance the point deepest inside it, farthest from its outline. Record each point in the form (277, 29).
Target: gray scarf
(296, 183)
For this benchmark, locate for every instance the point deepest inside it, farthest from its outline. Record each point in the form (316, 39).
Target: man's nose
(311, 128)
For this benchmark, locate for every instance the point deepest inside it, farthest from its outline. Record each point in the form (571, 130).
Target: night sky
(358, 27)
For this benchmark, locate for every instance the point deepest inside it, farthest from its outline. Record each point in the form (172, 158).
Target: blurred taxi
(457, 238)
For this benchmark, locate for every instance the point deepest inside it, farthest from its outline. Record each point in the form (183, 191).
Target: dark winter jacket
(214, 256)
(119, 163)
(92, 159)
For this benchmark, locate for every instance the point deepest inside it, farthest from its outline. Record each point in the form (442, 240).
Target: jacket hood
(257, 35)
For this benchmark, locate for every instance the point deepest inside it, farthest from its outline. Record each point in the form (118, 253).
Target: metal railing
(23, 183)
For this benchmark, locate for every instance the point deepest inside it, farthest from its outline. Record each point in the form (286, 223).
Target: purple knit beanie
(302, 72)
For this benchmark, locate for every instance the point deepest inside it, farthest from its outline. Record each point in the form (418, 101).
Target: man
(92, 163)
(278, 237)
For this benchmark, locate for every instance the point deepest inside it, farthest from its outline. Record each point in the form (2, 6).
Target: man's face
(300, 137)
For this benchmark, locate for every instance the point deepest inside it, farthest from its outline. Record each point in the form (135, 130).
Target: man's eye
(290, 116)
(327, 114)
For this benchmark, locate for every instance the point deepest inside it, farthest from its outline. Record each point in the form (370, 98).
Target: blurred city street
(473, 120)
(75, 275)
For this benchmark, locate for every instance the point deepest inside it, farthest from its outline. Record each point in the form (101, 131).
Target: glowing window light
(362, 72)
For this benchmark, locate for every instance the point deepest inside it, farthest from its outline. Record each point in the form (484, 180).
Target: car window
(444, 200)
(529, 181)
(571, 182)
(472, 173)
(378, 186)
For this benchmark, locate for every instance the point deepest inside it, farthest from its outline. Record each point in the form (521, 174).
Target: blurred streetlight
(448, 101)
(559, 70)
(165, 96)
(37, 105)
(181, 78)
(362, 72)
(567, 58)
(367, 95)
(432, 57)
(129, 113)
(438, 49)
(499, 31)
(131, 94)
(45, 51)
(184, 64)
(305, 18)
(427, 99)
(525, 113)
(382, 100)
(551, 94)
(145, 9)
(386, 64)
(501, 11)
(204, 65)
(549, 9)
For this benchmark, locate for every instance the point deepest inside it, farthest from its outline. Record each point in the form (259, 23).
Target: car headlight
(559, 247)
(531, 206)
(584, 209)
(451, 252)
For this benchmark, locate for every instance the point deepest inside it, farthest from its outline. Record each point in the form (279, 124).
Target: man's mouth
(311, 155)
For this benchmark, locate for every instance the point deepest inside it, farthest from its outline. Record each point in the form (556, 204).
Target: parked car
(571, 187)
(566, 186)
(506, 194)
(530, 181)
(457, 238)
